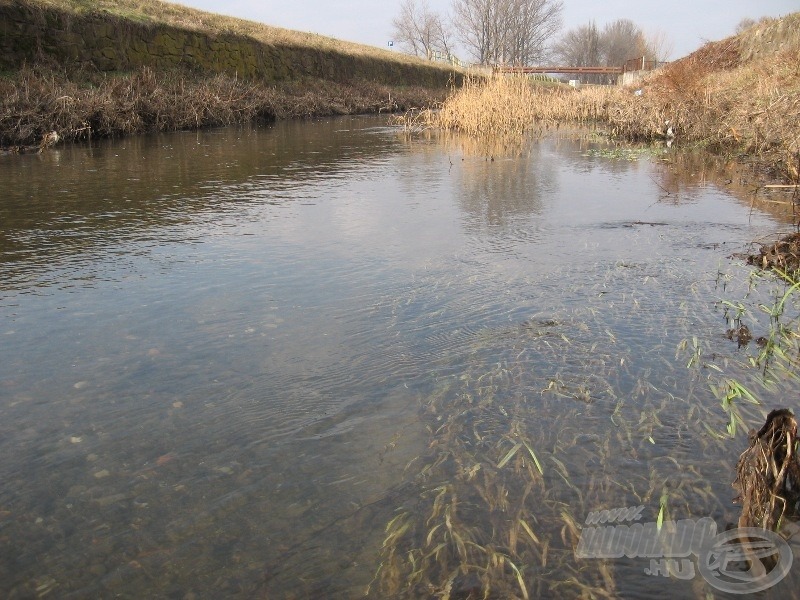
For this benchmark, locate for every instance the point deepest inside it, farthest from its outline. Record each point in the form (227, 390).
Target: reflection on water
(227, 355)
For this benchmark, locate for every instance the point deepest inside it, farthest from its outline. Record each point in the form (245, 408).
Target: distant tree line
(519, 33)
(510, 32)
(613, 46)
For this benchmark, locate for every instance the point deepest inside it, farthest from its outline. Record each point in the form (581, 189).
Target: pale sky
(687, 24)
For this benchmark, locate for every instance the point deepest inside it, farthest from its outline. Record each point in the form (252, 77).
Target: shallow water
(227, 355)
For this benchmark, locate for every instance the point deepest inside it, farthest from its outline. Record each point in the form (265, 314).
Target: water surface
(226, 356)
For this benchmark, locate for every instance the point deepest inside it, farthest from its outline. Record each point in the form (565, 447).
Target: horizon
(686, 24)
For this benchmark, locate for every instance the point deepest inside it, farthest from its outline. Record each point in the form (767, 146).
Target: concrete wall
(109, 43)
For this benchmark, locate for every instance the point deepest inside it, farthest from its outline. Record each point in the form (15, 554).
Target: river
(321, 359)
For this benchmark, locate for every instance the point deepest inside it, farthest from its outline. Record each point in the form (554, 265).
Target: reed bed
(80, 105)
(503, 105)
(717, 98)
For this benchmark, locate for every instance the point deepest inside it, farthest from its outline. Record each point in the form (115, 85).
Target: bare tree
(473, 20)
(622, 40)
(530, 25)
(658, 45)
(421, 31)
(506, 31)
(581, 47)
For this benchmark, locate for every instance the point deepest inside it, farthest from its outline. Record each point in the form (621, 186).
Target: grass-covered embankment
(104, 68)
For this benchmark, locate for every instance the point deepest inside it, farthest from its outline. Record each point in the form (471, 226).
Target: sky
(686, 24)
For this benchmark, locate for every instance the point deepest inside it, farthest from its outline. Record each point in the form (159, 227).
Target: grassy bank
(155, 14)
(104, 68)
(37, 100)
(740, 95)
(737, 96)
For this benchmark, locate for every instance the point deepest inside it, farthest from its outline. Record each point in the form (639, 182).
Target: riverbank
(38, 100)
(116, 68)
(738, 97)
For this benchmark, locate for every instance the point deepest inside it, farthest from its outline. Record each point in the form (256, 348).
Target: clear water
(225, 356)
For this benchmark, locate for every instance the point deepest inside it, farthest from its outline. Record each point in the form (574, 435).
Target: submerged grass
(529, 438)
(516, 457)
(519, 456)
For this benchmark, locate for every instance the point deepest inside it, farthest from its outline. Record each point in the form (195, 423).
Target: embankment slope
(99, 67)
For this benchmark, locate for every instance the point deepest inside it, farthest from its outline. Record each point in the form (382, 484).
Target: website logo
(739, 561)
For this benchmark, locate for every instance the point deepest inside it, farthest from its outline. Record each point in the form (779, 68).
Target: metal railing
(565, 70)
(634, 64)
(448, 58)
(640, 64)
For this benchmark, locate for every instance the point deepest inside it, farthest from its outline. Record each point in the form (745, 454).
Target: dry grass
(78, 102)
(502, 105)
(499, 105)
(38, 100)
(751, 108)
(716, 97)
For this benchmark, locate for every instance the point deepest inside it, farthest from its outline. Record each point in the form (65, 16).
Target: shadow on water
(320, 360)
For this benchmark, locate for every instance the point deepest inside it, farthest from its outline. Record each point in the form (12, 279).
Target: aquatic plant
(516, 461)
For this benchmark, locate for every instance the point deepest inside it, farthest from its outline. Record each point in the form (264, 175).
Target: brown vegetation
(503, 105)
(103, 68)
(768, 472)
(38, 100)
(721, 97)
(725, 102)
(783, 255)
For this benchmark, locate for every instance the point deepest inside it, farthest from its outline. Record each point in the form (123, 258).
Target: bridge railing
(641, 64)
(448, 58)
(634, 64)
(565, 70)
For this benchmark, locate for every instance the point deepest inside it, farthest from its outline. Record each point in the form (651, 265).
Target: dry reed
(503, 105)
(714, 98)
(37, 100)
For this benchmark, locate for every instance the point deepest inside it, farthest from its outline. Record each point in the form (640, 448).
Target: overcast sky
(687, 24)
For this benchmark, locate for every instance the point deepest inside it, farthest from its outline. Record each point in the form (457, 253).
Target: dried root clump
(783, 255)
(768, 472)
